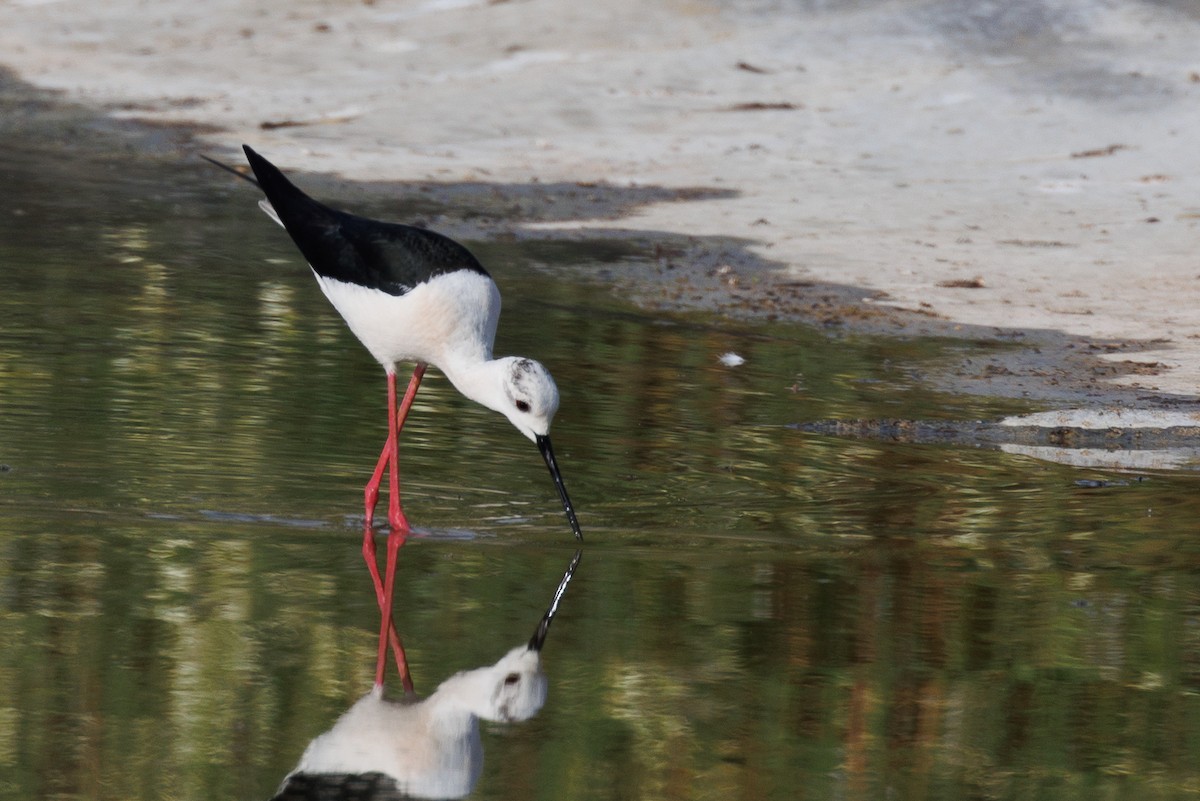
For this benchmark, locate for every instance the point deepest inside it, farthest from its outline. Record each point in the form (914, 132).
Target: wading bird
(412, 295)
(428, 748)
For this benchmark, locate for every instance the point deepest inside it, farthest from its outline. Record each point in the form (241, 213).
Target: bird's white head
(511, 690)
(522, 390)
(529, 396)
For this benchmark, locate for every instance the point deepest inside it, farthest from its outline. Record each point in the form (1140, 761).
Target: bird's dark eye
(512, 678)
(522, 406)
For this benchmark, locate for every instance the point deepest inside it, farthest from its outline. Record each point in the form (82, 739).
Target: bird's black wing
(340, 787)
(389, 257)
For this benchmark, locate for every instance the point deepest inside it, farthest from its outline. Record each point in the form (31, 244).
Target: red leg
(402, 663)
(371, 493)
(413, 384)
(368, 551)
(396, 517)
(395, 512)
(398, 526)
(396, 538)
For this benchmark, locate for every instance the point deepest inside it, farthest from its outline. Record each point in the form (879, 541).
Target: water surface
(186, 426)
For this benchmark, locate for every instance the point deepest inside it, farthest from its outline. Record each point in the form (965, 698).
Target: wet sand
(1020, 172)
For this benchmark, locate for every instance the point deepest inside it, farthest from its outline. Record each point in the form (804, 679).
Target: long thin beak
(539, 635)
(543, 443)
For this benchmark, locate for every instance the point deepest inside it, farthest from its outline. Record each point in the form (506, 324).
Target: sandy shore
(989, 167)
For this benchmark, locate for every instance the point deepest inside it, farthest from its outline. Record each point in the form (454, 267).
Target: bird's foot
(397, 520)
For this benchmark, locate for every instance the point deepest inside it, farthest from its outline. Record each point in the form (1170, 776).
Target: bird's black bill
(543, 444)
(539, 636)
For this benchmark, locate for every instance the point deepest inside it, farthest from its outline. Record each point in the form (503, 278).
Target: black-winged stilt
(412, 295)
(430, 747)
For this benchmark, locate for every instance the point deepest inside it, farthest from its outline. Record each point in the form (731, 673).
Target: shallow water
(186, 426)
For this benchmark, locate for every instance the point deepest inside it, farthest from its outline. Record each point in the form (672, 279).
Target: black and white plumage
(388, 257)
(430, 747)
(412, 295)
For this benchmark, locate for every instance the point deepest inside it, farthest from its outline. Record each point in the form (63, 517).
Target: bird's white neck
(453, 732)
(480, 379)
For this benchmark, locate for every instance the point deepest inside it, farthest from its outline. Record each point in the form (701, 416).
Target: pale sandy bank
(1019, 165)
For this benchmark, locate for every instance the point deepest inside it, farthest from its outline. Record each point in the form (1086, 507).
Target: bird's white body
(448, 321)
(412, 295)
(430, 747)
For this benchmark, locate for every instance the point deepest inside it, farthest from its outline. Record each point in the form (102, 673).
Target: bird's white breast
(428, 756)
(452, 316)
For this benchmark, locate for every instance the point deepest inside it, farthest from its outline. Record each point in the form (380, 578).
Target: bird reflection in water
(430, 747)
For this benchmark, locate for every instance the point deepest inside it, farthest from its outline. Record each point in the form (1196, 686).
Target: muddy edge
(666, 271)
